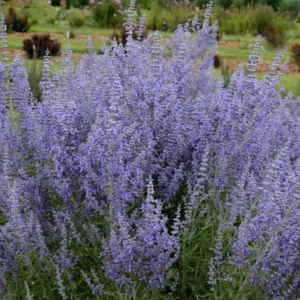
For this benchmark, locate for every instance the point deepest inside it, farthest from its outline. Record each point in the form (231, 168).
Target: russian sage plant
(139, 176)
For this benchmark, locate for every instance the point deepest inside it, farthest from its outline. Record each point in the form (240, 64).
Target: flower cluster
(84, 167)
(142, 247)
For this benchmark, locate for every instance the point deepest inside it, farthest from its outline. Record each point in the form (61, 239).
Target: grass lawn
(63, 27)
(291, 82)
(242, 52)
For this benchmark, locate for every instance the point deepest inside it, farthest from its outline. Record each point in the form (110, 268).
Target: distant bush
(233, 21)
(18, 23)
(296, 55)
(217, 61)
(71, 3)
(168, 19)
(263, 18)
(294, 7)
(225, 3)
(291, 6)
(61, 14)
(55, 2)
(259, 19)
(34, 21)
(51, 21)
(72, 34)
(38, 44)
(77, 3)
(108, 14)
(277, 33)
(274, 3)
(273, 37)
(76, 19)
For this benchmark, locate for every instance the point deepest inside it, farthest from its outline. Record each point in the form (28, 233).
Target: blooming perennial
(90, 176)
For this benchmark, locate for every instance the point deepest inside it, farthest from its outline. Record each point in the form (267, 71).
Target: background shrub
(72, 34)
(16, 22)
(217, 61)
(51, 21)
(259, 19)
(296, 54)
(77, 3)
(234, 21)
(34, 21)
(263, 18)
(76, 19)
(225, 3)
(275, 4)
(61, 14)
(108, 14)
(291, 6)
(71, 3)
(277, 33)
(55, 2)
(168, 19)
(38, 44)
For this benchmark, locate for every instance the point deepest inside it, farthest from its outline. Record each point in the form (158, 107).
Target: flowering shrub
(139, 176)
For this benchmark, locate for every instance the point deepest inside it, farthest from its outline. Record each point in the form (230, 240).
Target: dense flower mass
(130, 156)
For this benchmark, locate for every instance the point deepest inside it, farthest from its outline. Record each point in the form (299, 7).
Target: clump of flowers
(138, 175)
(141, 247)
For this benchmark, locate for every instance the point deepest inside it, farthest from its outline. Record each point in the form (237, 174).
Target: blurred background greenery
(72, 21)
